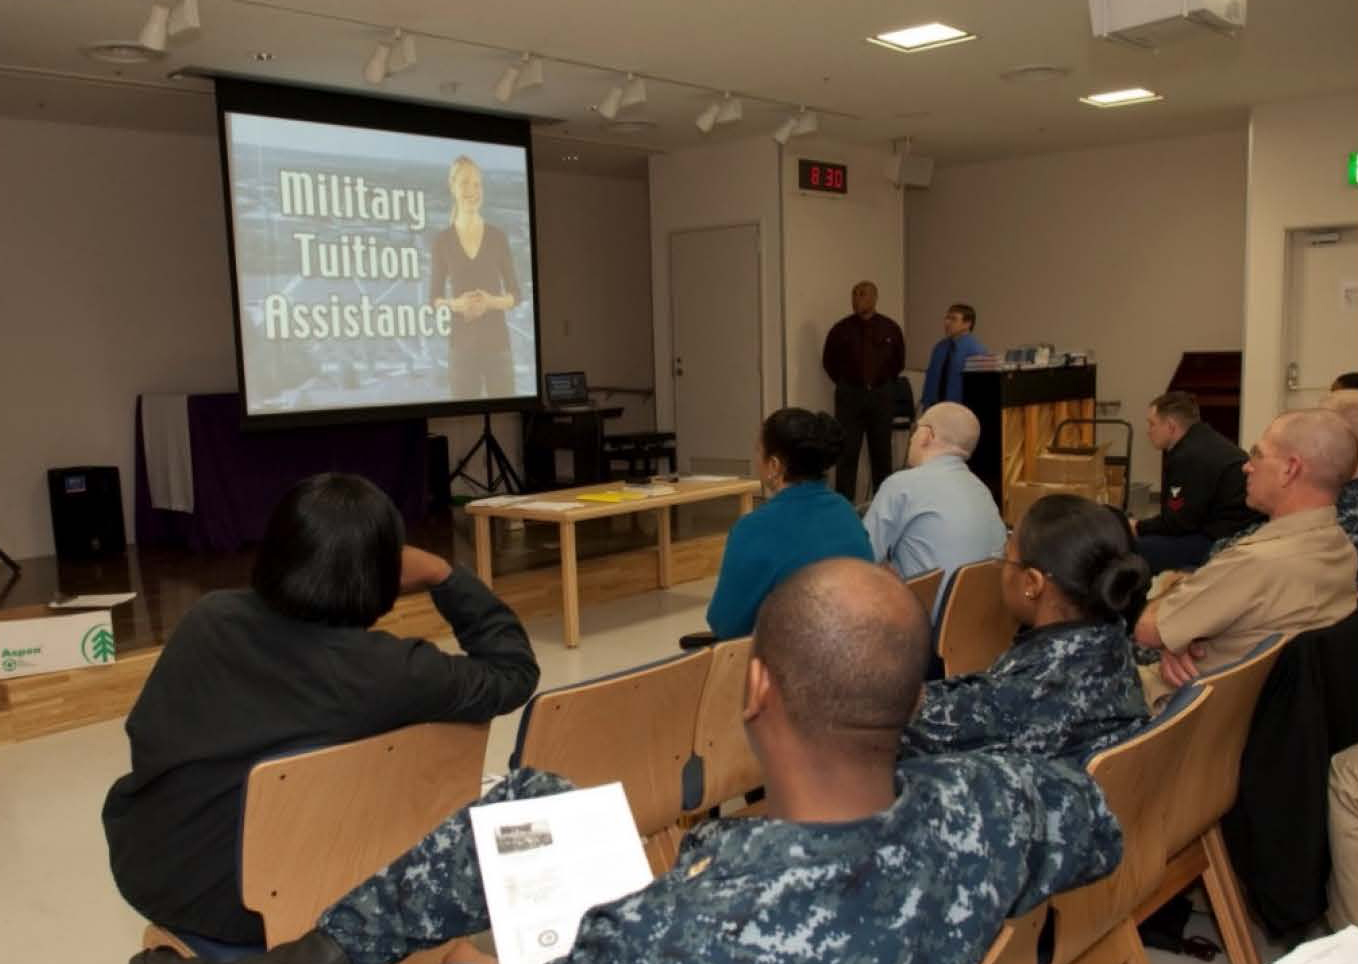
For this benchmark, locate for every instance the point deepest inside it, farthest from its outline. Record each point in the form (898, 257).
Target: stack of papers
(612, 495)
(710, 478)
(545, 506)
(499, 500)
(92, 601)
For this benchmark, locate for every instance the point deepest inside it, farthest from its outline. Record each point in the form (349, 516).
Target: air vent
(121, 52)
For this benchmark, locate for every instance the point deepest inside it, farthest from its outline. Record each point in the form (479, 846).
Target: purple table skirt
(238, 477)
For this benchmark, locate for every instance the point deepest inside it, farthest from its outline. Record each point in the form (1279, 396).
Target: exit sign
(1353, 168)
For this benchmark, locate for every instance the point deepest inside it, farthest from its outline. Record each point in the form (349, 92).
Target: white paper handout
(710, 478)
(547, 860)
(495, 501)
(545, 506)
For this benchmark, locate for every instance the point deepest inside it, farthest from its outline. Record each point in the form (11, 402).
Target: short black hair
(847, 644)
(967, 312)
(807, 442)
(1086, 551)
(332, 552)
(1345, 382)
(1180, 406)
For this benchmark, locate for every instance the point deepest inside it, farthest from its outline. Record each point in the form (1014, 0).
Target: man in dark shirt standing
(1202, 487)
(863, 355)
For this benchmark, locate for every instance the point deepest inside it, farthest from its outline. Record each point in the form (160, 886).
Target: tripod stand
(496, 460)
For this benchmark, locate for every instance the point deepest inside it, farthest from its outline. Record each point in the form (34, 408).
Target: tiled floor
(57, 899)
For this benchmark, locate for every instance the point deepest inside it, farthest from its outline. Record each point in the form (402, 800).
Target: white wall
(715, 186)
(113, 282)
(831, 242)
(1134, 251)
(594, 267)
(1297, 155)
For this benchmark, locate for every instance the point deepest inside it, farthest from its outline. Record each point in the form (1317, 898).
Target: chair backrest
(1211, 773)
(925, 586)
(635, 727)
(1138, 779)
(316, 824)
(974, 627)
(1017, 940)
(723, 766)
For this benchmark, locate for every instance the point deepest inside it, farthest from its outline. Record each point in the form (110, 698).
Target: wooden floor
(617, 558)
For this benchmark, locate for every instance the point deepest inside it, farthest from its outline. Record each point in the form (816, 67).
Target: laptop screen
(566, 388)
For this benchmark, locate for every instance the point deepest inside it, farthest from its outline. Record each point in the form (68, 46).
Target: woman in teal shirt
(802, 522)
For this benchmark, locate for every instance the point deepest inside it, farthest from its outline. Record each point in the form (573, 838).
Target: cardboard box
(36, 639)
(1020, 496)
(1086, 468)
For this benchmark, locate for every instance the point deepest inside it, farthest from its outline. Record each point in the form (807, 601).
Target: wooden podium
(1019, 411)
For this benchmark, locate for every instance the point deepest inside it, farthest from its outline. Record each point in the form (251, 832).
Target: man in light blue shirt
(935, 514)
(943, 379)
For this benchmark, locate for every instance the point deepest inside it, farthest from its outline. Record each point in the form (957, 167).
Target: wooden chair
(316, 824)
(925, 586)
(319, 822)
(722, 766)
(1093, 924)
(974, 627)
(1016, 942)
(635, 727)
(1206, 791)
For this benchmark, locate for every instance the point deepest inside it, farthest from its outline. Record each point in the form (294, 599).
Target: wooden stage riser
(34, 706)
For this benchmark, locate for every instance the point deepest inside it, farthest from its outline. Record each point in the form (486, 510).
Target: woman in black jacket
(292, 663)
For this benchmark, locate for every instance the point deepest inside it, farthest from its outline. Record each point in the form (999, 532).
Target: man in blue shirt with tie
(943, 381)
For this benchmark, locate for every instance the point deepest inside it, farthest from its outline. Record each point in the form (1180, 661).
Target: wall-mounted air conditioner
(1155, 23)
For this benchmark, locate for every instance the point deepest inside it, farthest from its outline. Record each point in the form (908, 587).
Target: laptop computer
(567, 392)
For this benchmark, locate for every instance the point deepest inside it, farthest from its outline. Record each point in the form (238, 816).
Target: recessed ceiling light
(925, 36)
(121, 52)
(1121, 98)
(263, 56)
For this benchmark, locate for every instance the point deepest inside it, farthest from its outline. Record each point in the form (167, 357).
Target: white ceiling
(952, 101)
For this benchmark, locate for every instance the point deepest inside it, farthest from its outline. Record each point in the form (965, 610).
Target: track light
(803, 122)
(608, 107)
(156, 31)
(376, 69)
(184, 23)
(634, 92)
(504, 87)
(731, 110)
(728, 110)
(530, 75)
(403, 52)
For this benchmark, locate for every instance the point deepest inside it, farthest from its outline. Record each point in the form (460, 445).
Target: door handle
(678, 366)
(1293, 377)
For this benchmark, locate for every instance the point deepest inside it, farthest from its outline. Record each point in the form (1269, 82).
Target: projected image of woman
(472, 273)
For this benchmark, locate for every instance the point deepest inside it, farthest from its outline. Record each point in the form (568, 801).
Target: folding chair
(974, 627)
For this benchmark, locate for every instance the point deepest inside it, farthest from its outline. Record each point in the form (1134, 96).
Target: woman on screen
(472, 259)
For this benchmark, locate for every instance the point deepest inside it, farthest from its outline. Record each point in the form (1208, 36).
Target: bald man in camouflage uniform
(860, 860)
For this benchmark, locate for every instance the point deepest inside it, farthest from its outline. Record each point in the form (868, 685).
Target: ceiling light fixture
(731, 110)
(608, 107)
(633, 92)
(525, 74)
(403, 52)
(504, 87)
(1121, 98)
(375, 71)
(157, 29)
(925, 36)
(184, 23)
(801, 123)
(708, 118)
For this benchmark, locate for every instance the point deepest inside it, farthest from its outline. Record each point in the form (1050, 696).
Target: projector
(1153, 23)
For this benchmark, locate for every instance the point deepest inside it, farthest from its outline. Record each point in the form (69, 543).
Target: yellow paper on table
(611, 496)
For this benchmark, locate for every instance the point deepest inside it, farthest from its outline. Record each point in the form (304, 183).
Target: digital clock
(822, 176)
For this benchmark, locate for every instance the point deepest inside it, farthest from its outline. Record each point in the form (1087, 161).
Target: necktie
(945, 383)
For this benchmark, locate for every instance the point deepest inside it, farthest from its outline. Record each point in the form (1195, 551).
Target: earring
(1029, 594)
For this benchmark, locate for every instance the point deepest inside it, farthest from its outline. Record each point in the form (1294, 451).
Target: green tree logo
(97, 646)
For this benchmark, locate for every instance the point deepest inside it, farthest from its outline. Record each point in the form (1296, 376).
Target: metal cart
(1124, 460)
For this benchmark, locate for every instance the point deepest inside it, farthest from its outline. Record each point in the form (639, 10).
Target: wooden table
(685, 491)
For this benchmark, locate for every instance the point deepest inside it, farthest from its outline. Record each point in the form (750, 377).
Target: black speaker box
(87, 511)
(436, 461)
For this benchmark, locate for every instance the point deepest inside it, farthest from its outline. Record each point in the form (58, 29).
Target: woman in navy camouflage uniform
(1068, 687)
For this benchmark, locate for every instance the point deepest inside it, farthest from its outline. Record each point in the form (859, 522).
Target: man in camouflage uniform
(1064, 692)
(860, 859)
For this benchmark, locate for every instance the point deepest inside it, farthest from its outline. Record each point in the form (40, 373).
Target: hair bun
(1120, 583)
(829, 438)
